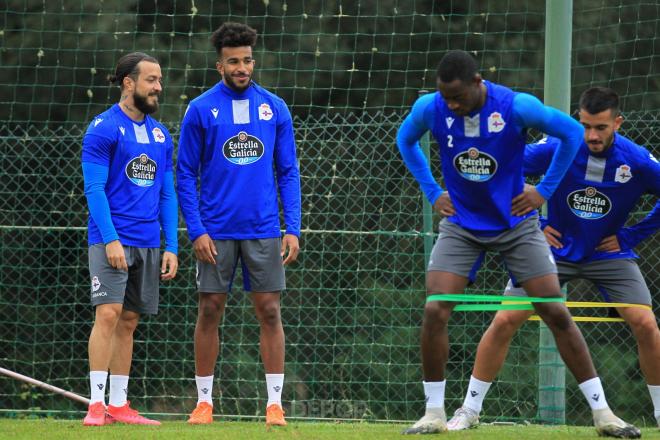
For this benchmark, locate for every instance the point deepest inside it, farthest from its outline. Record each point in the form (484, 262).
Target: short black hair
(457, 64)
(232, 34)
(600, 99)
(128, 66)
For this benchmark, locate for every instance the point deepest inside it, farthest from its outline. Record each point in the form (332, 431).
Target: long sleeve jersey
(596, 197)
(481, 154)
(241, 149)
(129, 181)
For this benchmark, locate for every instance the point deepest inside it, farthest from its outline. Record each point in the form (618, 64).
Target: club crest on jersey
(589, 203)
(475, 165)
(243, 149)
(158, 135)
(141, 170)
(495, 123)
(96, 284)
(265, 113)
(623, 174)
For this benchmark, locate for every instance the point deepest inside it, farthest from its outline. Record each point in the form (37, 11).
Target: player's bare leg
(271, 338)
(494, 345)
(122, 355)
(122, 343)
(120, 365)
(570, 343)
(575, 354)
(491, 354)
(107, 316)
(644, 326)
(99, 347)
(435, 349)
(210, 309)
(271, 344)
(434, 338)
(207, 338)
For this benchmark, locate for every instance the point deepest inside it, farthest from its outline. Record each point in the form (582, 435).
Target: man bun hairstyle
(128, 66)
(457, 64)
(599, 99)
(232, 34)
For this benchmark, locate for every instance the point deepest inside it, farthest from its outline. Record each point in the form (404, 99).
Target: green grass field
(72, 429)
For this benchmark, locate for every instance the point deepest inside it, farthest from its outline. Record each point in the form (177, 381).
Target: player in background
(585, 229)
(480, 128)
(129, 185)
(237, 141)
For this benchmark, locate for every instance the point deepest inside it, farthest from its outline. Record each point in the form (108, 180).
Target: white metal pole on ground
(44, 385)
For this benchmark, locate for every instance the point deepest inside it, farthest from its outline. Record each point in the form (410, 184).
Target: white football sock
(274, 383)
(97, 380)
(654, 391)
(435, 394)
(594, 393)
(118, 389)
(474, 398)
(204, 389)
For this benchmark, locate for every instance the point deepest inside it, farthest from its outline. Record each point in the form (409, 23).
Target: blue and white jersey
(596, 197)
(481, 157)
(137, 156)
(482, 153)
(241, 147)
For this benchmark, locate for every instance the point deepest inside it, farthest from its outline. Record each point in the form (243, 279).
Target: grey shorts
(261, 264)
(523, 248)
(618, 280)
(136, 289)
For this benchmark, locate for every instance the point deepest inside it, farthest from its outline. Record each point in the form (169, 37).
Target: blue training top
(129, 181)
(596, 197)
(231, 142)
(482, 153)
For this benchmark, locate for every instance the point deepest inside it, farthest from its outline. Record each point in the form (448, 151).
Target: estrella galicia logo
(475, 165)
(589, 203)
(141, 170)
(243, 149)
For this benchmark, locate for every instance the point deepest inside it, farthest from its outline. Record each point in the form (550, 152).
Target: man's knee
(128, 322)
(210, 307)
(437, 313)
(107, 315)
(268, 313)
(555, 316)
(644, 326)
(506, 323)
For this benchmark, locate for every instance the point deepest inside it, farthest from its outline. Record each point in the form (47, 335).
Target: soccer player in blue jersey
(585, 228)
(129, 185)
(237, 140)
(480, 128)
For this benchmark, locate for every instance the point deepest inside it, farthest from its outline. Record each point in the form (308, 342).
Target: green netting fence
(349, 72)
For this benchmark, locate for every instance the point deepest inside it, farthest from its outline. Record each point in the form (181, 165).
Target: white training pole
(51, 388)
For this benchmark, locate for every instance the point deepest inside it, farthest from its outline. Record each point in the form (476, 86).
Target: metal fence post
(557, 93)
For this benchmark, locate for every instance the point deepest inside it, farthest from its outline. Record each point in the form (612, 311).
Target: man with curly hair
(237, 140)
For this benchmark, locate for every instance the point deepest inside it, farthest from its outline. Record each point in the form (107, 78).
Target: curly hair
(233, 35)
